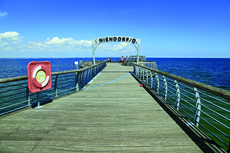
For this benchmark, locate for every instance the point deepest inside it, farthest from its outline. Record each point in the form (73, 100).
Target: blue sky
(167, 28)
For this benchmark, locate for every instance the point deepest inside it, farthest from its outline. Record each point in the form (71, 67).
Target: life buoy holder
(40, 81)
(39, 76)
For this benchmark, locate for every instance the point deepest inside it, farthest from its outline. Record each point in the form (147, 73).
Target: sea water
(211, 71)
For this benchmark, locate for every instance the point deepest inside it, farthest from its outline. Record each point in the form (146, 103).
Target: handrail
(206, 108)
(74, 81)
(19, 78)
(214, 90)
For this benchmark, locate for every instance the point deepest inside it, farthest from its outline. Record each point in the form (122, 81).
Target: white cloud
(3, 14)
(8, 48)
(57, 41)
(11, 37)
(58, 45)
(4, 44)
(8, 35)
(67, 41)
(9, 42)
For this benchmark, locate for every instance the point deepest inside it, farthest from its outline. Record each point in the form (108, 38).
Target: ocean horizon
(211, 71)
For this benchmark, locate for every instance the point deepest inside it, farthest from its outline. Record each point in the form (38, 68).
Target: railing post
(151, 80)
(84, 77)
(134, 69)
(77, 81)
(91, 73)
(177, 95)
(87, 76)
(137, 71)
(198, 107)
(143, 74)
(55, 87)
(28, 96)
(94, 71)
(147, 76)
(81, 78)
(165, 87)
(140, 72)
(157, 83)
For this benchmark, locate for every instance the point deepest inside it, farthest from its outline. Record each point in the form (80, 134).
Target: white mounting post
(38, 106)
(166, 87)
(177, 105)
(157, 83)
(198, 107)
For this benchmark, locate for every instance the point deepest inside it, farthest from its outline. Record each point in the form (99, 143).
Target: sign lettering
(116, 39)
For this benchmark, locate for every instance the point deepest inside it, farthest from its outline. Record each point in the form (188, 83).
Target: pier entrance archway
(97, 41)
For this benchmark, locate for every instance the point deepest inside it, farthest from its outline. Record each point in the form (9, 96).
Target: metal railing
(15, 95)
(207, 107)
(152, 65)
(87, 63)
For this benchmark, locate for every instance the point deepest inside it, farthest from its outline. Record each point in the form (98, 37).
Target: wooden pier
(112, 114)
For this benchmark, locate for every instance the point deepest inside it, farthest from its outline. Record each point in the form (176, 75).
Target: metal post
(143, 74)
(151, 81)
(38, 106)
(134, 69)
(147, 76)
(177, 95)
(28, 96)
(93, 55)
(166, 87)
(89, 74)
(81, 79)
(137, 71)
(76, 77)
(157, 83)
(76, 65)
(86, 77)
(77, 81)
(138, 52)
(198, 107)
(55, 87)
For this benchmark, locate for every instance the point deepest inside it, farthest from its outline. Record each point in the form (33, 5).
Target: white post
(177, 95)
(166, 87)
(151, 77)
(38, 106)
(138, 52)
(198, 108)
(157, 83)
(28, 96)
(76, 65)
(93, 55)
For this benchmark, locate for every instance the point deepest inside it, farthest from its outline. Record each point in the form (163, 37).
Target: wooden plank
(118, 116)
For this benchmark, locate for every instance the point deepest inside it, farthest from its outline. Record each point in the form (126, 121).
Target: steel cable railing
(206, 106)
(15, 95)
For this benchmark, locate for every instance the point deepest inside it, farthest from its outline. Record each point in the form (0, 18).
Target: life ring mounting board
(39, 76)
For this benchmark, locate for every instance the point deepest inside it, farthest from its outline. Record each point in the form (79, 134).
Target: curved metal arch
(97, 41)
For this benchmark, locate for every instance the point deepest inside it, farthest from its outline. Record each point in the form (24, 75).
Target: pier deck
(111, 115)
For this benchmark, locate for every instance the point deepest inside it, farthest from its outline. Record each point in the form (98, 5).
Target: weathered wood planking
(115, 117)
